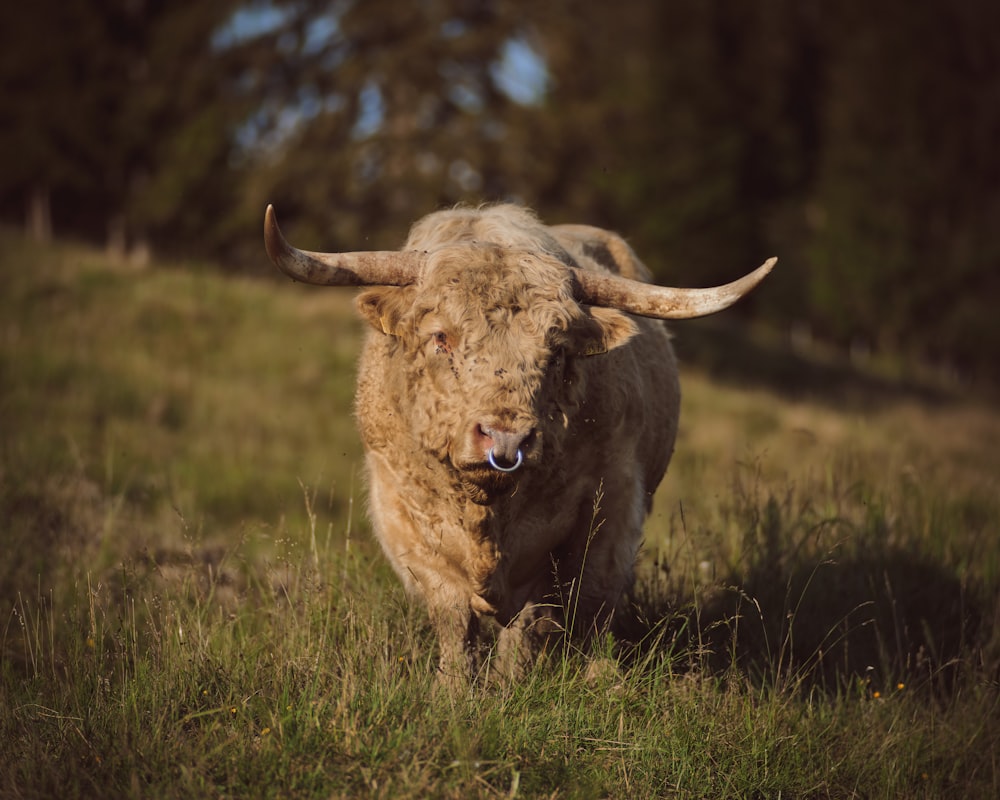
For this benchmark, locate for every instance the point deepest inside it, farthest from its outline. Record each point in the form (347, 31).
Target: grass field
(193, 607)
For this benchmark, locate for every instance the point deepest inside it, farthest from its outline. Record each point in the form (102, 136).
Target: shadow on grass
(869, 623)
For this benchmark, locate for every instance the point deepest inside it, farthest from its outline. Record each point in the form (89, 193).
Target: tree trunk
(117, 242)
(39, 217)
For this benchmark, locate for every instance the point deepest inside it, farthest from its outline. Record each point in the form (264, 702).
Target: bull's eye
(440, 341)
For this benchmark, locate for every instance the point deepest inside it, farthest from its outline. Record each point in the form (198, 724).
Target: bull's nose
(506, 446)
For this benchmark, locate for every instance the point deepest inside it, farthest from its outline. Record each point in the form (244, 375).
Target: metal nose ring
(493, 462)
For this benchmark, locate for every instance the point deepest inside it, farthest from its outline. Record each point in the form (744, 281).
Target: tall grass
(192, 605)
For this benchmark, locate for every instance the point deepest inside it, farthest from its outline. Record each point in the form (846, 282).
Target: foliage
(182, 616)
(905, 193)
(376, 113)
(117, 111)
(855, 143)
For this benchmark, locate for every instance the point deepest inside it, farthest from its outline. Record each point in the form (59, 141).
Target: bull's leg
(457, 630)
(531, 633)
(413, 548)
(590, 573)
(462, 644)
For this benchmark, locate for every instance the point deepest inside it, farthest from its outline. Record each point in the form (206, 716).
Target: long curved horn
(372, 268)
(663, 302)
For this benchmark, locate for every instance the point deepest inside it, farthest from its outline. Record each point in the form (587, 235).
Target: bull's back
(592, 246)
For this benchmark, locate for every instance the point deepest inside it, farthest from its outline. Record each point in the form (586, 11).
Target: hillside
(187, 566)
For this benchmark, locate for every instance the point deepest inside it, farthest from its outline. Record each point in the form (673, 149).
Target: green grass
(193, 606)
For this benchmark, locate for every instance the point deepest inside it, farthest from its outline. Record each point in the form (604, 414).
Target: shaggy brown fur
(491, 339)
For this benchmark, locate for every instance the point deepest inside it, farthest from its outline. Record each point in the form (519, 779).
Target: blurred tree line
(856, 141)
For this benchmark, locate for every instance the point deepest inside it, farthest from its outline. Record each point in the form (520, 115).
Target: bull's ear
(604, 329)
(384, 306)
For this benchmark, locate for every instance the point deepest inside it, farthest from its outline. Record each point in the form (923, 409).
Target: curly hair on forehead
(506, 225)
(480, 287)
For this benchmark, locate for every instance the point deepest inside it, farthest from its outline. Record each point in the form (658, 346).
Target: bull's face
(486, 343)
(491, 343)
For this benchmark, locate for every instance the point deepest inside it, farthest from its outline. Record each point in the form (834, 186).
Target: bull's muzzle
(505, 449)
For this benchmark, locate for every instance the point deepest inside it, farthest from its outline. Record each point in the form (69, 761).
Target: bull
(518, 400)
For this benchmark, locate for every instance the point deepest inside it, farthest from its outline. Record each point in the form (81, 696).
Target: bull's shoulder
(606, 249)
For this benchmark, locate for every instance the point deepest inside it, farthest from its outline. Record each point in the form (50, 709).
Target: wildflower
(876, 695)
(265, 731)
(90, 643)
(232, 710)
(900, 686)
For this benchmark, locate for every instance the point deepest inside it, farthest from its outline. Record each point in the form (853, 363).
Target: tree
(905, 251)
(118, 111)
(688, 126)
(47, 123)
(855, 142)
(171, 121)
(378, 112)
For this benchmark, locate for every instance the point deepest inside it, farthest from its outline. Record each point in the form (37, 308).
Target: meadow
(193, 605)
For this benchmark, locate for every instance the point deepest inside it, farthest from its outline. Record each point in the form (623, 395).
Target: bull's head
(506, 339)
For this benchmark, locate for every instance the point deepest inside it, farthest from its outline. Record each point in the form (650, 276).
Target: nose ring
(495, 464)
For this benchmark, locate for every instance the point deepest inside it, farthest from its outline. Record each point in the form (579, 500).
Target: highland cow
(518, 402)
